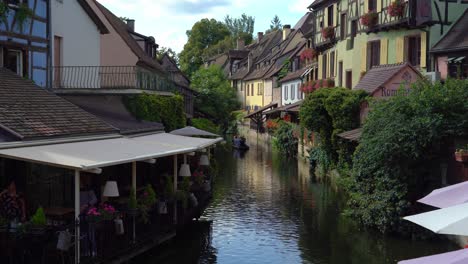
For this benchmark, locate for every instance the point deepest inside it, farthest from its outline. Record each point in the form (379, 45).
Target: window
(286, 90)
(252, 89)
(372, 5)
(413, 48)
(293, 92)
(373, 54)
(299, 92)
(259, 88)
(324, 66)
(330, 16)
(340, 74)
(13, 60)
(332, 64)
(343, 27)
(349, 79)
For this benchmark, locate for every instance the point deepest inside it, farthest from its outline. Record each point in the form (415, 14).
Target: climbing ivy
(168, 110)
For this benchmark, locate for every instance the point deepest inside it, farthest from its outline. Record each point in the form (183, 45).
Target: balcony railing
(109, 77)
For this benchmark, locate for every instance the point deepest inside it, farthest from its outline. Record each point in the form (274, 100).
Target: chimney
(259, 36)
(240, 44)
(131, 24)
(286, 31)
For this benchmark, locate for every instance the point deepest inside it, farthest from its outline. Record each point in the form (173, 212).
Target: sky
(168, 20)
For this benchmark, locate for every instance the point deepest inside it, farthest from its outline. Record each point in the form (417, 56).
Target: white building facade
(291, 92)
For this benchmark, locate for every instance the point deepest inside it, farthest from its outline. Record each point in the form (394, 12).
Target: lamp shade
(111, 189)
(204, 161)
(185, 170)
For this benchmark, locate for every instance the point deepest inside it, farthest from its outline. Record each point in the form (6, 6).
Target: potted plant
(461, 155)
(147, 201)
(396, 8)
(328, 32)
(370, 18)
(37, 224)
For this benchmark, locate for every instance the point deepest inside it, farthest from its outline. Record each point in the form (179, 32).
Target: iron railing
(109, 77)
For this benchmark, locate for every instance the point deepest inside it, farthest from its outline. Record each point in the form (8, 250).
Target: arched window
(293, 92)
(286, 88)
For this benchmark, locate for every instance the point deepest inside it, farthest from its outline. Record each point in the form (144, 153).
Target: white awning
(190, 131)
(89, 155)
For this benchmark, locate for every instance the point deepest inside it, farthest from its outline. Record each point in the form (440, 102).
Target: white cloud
(168, 20)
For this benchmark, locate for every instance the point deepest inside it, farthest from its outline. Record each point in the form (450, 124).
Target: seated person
(237, 141)
(11, 205)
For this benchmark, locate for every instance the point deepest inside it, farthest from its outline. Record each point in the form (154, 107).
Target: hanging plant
(4, 9)
(370, 18)
(328, 32)
(22, 14)
(308, 54)
(396, 8)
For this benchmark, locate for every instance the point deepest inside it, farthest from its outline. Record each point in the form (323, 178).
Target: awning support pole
(175, 188)
(134, 185)
(77, 216)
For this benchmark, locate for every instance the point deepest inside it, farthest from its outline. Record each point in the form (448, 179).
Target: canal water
(268, 209)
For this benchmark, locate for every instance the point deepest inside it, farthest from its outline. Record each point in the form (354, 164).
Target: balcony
(323, 41)
(413, 14)
(109, 78)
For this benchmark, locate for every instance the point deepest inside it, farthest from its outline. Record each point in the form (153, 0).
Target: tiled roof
(122, 29)
(379, 75)
(456, 39)
(94, 17)
(177, 75)
(305, 24)
(293, 75)
(30, 112)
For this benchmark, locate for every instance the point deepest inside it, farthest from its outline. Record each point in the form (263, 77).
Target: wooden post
(77, 216)
(175, 188)
(134, 186)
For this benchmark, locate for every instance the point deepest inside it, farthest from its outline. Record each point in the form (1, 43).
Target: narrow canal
(267, 209)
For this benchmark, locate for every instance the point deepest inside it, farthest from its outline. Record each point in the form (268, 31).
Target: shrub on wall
(330, 112)
(285, 140)
(400, 150)
(205, 124)
(168, 110)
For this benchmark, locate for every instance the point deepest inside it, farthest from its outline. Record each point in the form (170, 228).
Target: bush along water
(285, 140)
(397, 160)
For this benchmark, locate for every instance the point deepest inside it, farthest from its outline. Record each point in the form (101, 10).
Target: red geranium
(328, 32)
(370, 19)
(396, 8)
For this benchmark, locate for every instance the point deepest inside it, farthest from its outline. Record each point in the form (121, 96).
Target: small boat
(242, 146)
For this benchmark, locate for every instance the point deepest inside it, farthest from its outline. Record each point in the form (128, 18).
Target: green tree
(241, 27)
(170, 52)
(204, 33)
(215, 95)
(275, 24)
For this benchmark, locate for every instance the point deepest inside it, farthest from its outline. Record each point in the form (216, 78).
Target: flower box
(396, 8)
(370, 19)
(461, 156)
(308, 54)
(328, 32)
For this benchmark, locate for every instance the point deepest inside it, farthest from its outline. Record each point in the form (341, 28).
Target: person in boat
(237, 141)
(12, 206)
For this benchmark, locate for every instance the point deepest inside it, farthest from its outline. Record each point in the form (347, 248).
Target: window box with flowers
(105, 212)
(370, 19)
(315, 85)
(328, 33)
(461, 155)
(308, 54)
(272, 125)
(396, 8)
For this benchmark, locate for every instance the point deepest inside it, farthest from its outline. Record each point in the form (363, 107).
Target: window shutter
(320, 63)
(364, 57)
(379, 6)
(366, 7)
(384, 51)
(335, 14)
(423, 49)
(400, 49)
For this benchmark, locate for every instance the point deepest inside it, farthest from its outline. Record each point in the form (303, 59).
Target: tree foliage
(216, 97)
(328, 112)
(241, 27)
(275, 24)
(170, 52)
(168, 110)
(205, 124)
(400, 151)
(204, 33)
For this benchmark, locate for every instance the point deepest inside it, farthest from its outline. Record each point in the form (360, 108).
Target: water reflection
(266, 209)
